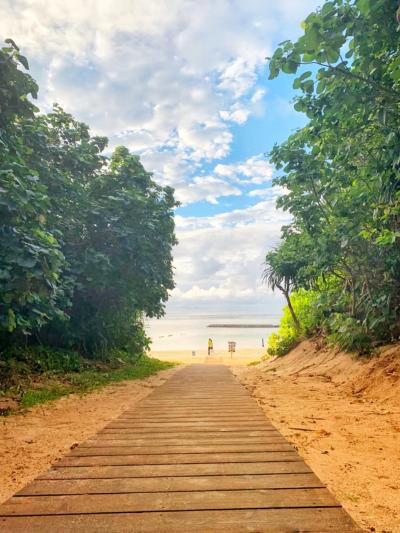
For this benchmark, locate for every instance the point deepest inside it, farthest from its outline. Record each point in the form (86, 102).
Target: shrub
(349, 334)
(85, 238)
(280, 344)
(305, 305)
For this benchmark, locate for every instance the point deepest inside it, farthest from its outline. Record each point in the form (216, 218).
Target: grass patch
(52, 387)
(92, 379)
(33, 397)
(253, 363)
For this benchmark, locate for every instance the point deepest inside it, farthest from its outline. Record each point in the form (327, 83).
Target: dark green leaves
(342, 170)
(85, 242)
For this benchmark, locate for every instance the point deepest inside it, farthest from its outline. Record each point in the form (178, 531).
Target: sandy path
(241, 357)
(351, 440)
(31, 442)
(342, 415)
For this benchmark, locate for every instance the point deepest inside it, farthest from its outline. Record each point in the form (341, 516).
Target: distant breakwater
(243, 326)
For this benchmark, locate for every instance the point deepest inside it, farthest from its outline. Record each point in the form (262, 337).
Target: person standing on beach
(210, 346)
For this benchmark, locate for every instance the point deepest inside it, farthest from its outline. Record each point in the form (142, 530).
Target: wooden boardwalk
(197, 455)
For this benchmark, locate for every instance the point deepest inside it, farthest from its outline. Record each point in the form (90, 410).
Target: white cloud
(237, 113)
(220, 258)
(170, 79)
(256, 170)
(258, 95)
(268, 192)
(264, 211)
(145, 65)
(258, 192)
(174, 169)
(205, 188)
(221, 293)
(240, 75)
(154, 74)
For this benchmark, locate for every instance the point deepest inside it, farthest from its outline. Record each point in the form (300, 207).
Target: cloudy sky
(184, 84)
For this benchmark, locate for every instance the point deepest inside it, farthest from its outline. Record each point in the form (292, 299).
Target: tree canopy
(341, 171)
(85, 238)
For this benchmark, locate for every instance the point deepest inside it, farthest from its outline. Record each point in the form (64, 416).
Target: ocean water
(191, 332)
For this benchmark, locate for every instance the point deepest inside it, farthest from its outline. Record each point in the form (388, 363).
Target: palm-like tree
(280, 273)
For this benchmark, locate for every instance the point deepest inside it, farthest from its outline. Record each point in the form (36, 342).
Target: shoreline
(242, 357)
(244, 326)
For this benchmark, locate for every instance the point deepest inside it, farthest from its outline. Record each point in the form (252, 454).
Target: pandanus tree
(341, 171)
(281, 269)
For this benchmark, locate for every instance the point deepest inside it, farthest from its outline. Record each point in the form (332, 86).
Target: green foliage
(341, 171)
(36, 396)
(91, 379)
(308, 313)
(254, 363)
(85, 240)
(284, 268)
(31, 260)
(348, 333)
(38, 359)
(281, 343)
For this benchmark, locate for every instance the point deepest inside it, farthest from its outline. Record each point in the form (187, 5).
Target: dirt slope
(343, 415)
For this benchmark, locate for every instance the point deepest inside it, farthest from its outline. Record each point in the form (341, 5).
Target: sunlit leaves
(342, 171)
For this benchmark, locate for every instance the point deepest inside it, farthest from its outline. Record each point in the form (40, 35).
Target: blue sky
(183, 84)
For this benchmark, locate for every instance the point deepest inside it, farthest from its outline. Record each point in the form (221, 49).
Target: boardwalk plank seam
(200, 413)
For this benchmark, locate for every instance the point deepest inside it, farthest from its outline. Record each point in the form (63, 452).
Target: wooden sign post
(231, 347)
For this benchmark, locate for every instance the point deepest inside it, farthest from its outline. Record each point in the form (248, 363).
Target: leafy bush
(85, 240)
(349, 334)
(31, 259)
(309, 314)
(281, 343)
(18, 361)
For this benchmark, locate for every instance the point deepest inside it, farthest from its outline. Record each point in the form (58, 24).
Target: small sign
(232, 347)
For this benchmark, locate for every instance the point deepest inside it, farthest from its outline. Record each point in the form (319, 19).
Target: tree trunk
(295, 319)
(353, 299)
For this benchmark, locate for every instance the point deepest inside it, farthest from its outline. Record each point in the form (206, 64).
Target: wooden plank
(198, 455)
(127, 449)
(199, 409)
(189, 430)
(179, 458)
(193, 402)
(165, 484)
(192, 421)
(169, 415)
(121, 440)
(248, 417)
(190, 424)
(173, 501)
(216, 433)
(205, 403)
(212, 469)
(176, 426)
(331, 520)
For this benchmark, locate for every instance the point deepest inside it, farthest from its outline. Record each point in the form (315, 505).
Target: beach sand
(342, 414)
(240, 358)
